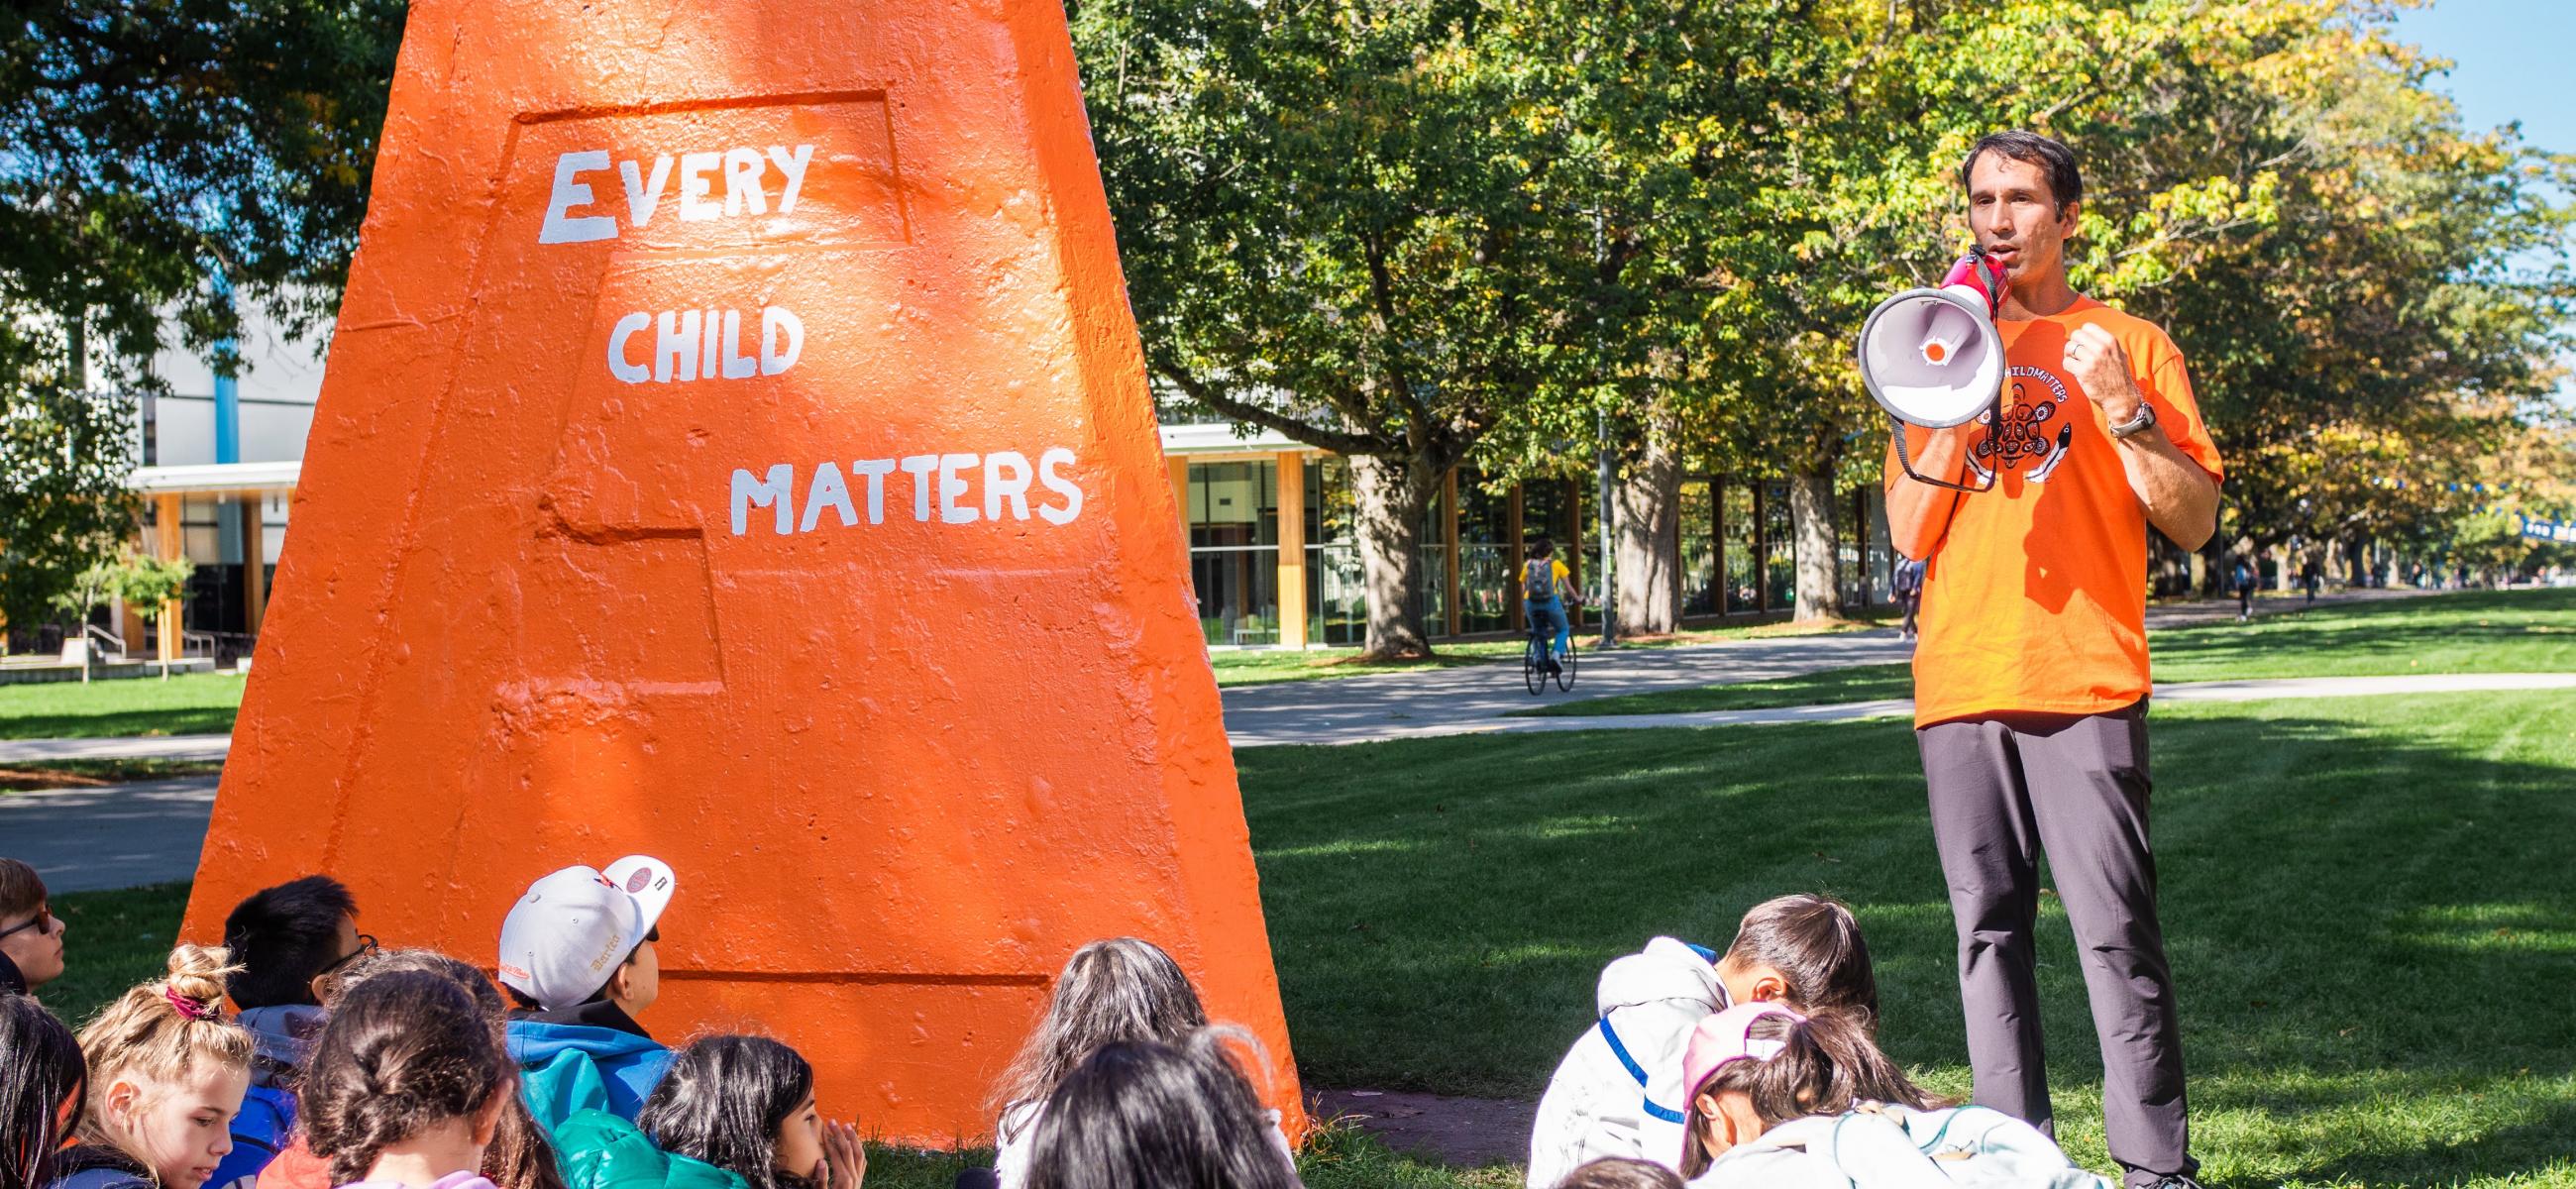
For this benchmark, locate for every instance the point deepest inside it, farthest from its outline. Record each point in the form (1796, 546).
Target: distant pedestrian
(1909, 590)
(2244, 581)
(2312, 577)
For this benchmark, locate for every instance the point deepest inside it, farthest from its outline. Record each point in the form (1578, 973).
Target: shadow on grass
(2370, 911)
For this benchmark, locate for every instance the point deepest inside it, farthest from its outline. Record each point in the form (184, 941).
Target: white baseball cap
(568, 935)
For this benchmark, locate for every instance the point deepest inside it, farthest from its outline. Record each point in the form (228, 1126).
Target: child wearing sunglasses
(31, 936)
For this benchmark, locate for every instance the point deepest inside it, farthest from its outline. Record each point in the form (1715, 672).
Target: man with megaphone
(2039, 433)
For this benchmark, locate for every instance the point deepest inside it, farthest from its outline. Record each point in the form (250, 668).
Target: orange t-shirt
(2036, 596)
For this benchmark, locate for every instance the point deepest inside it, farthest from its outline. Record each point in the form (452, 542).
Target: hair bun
(197, 974)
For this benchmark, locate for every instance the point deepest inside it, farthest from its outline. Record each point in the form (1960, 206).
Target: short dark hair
(22, 891)
(282, 937)
(1147, 1113)
(723, 1102)
(1614, 1172)
(1540, 546)
(2065, 183)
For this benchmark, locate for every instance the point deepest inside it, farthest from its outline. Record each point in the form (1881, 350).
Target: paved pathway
(151, 831)
(111, 837)
(1473, 698)
(131, 747)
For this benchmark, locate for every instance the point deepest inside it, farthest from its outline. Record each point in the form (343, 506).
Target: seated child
(1780, 1100)
(519, 1156)
(1122, 989)
(1147, 1113)
(746, 1104)
(287, 939)
(42, 1076)
(1618, 1090)
(166, 1074)
(408, 1086)
(31, 936)
(575, 1037)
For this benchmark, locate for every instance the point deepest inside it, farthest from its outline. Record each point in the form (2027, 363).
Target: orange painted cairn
(736, 449)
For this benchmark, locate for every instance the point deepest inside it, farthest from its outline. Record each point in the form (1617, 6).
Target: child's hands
(845, 1160)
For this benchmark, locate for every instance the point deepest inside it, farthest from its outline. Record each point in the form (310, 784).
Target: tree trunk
(1648, 541)
(1391, 495)
(1811, 532)
(76, 357)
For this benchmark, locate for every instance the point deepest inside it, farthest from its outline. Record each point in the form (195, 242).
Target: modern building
(220, 459)
(1264, 578)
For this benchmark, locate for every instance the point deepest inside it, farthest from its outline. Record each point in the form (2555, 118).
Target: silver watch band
(2137, 423)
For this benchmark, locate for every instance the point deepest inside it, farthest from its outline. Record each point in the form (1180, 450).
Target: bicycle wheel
(1565, 669)
(1532, 674)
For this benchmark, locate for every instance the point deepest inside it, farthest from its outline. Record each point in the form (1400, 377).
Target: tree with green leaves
(138, 579)
(160, 160)
(1391, 229)
(64, 455)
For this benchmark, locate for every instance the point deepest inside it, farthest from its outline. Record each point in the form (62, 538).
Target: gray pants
(2002, 789)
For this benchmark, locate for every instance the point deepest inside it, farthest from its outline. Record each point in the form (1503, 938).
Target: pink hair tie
(189, 1009)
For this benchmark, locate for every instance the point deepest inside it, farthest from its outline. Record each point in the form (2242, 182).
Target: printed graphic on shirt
(2034, 434)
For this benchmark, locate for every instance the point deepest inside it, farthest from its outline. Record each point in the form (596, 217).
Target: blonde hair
(162, 1030)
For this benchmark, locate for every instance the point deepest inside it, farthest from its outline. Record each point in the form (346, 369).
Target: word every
(704, 345)
(946, 481)
(740, 169)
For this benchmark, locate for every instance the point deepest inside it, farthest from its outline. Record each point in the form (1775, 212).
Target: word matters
(942, 488)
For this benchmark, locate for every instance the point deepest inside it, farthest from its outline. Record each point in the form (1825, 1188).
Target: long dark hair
(1815, 943)
(40, 1069)
(404, 1052)
(1121, 989)
(520, 1156)
(723, 1102)
(1825, 1065)
(1146, 1113)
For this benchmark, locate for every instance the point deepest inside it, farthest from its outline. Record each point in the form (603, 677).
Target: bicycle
(1534, 674)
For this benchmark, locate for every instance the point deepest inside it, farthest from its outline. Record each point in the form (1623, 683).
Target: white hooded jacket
(1619, 1090)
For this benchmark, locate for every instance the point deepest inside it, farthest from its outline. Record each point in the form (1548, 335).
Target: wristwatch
(2137, 423)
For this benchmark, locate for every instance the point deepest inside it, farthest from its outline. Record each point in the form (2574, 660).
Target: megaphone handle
(1905, 458)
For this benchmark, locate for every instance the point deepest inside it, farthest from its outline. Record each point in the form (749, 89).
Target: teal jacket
(598, 1150)
(567, 1066)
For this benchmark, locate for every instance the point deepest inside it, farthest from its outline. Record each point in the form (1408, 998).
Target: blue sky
(2509, 64)
(2511, 60)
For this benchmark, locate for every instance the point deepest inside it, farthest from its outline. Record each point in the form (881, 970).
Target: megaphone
(1931, 357)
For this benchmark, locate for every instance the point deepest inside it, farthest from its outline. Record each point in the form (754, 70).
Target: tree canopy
(161, 161)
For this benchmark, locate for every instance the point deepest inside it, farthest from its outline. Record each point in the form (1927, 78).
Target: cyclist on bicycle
(1546, 587)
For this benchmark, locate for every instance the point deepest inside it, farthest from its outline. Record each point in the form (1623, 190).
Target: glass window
(1234, 550)
(1485, 585)
(1699, 557)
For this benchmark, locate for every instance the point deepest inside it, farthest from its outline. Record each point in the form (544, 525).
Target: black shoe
(1554, 669)
(2177, 1183)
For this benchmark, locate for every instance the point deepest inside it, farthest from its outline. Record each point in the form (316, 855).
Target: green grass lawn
(2370, 904)
(2524, 631)
(1260, 666)
(2371, 911)
(191, 704)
